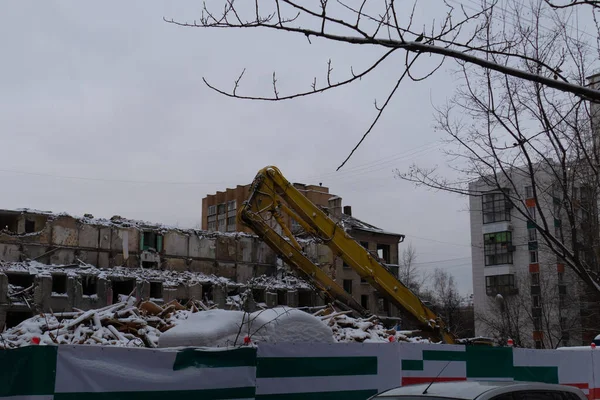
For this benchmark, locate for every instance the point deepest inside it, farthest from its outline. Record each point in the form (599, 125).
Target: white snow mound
(220, 328)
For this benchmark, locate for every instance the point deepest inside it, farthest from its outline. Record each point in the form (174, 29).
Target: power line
(191, 183)
(440, 261)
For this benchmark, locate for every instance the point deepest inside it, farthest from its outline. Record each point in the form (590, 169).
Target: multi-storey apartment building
(219, 210)
(520, 287)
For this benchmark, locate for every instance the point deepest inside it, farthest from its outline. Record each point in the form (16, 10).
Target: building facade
(219, 210)
(521, 289)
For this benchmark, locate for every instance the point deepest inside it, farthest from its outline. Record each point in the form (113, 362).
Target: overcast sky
(109, 93)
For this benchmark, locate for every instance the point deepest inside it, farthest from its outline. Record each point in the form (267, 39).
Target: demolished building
(57, 262)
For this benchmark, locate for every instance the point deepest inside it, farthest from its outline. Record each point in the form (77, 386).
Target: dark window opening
(537, 323)
(365, 245)
(363, 280)
(9, 223)
(59, 283)
(207, 291)
(89, 285)
(384, 305)
(156, 290)
(562, 289)
(364, 301)
(123, 288)
(150, 264)
(345, 266)
(383, 251)
(536, 300)
(282, 297)
(500, 284)
(498, 248)
(258, 295)
(305, 298)
(348, 285)
(535, 279)
(150, 241)
(495, 208)
(14, 318)
(536, 290)
(29, 226)
(19, 280)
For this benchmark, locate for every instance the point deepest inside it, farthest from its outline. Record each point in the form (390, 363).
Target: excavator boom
(272, 197)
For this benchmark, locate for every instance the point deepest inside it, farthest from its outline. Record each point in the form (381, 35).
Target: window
(538, 394)
(533, 257)
(212, 226)
(537, 323)
(221, 225)
(562, 289)
(499, 284)
(364, 301)
(231, 205)
(498, 248)
(532, 234)
(538, 344)
(348, 285)
(495, 208)
(531, 212)
(29, 226)
(295, 226)
(528, 192)
(59, 283)
(365, 245)
(231, 223)
(150, 241)
(557, 209)
(221, 208)
(561, 277)
(345, 266)
(212, 210)
(363, 280)
(383, 251)
(535, 299)
(535, 279)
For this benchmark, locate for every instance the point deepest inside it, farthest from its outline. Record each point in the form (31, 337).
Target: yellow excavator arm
(272, 196)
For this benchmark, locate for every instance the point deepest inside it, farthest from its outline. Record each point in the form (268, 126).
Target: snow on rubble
(132, 323)
(173, 325)
(169, 278)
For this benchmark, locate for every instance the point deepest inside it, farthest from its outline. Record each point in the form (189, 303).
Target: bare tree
(409, 273)
(461, 35)
(506, 135)
(536, 313)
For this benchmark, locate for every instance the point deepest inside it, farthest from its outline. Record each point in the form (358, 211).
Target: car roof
(469, 390)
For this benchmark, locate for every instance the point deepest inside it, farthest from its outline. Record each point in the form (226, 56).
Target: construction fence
(282, 371)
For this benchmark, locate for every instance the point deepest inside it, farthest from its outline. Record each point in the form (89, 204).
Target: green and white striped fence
(279, 371)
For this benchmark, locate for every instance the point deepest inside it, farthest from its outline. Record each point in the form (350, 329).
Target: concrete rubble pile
(363, 330)
(128, 323)
(132, 323)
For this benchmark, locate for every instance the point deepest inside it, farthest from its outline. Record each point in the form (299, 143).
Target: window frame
(533, 257)
(494, 286)
(493, 250)
(528, 192)
(494, 204)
